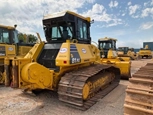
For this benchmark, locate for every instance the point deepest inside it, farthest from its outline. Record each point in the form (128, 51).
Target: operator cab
(66, 25)
(8, 34)
(105, 44)
(58, 28)
(123, 49)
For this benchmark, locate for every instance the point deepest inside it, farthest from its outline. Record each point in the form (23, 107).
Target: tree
(32, 38)
(27, 38)
(21, 37)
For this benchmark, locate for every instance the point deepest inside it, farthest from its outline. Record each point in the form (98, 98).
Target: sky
(128, 21)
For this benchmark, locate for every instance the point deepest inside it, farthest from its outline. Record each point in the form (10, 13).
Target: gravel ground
(15, 102)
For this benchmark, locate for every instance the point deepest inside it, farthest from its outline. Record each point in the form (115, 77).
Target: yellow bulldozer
(139, 93)
(122, 51)
(67, 63)
(145, 52)
(127, 52)
(10, 46)
(109, 55)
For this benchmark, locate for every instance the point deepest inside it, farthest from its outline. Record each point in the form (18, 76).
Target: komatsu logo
(10, 49)
(63, 50)
(84, 51)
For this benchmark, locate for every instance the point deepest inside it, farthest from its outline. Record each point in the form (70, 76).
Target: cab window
(4, 36)
(82, 27)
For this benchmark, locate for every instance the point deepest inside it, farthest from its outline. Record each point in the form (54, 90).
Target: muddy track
(71, 85)
(139, 93)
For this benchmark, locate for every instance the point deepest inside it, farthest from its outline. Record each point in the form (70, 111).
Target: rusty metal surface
(139, 93)
(15, 76)
(7, 77)
(71, 85)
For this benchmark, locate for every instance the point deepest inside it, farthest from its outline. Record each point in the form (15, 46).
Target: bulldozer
(127, 52)
(133, 55)
(145, 52)
(109, 55)
(67, 63)
(10, 46)
(122, 51)
(139, 92)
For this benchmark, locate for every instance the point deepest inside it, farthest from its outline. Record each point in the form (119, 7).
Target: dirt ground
(15, 102)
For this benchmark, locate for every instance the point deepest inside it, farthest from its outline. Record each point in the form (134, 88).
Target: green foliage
(21, 37)
(32, 38)
(27, 38)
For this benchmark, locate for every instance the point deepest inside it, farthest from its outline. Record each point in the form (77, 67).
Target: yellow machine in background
(122, 51)
(68, 63)
(127, 52)
(139, 92)
(109, 55)
(132, 54)
(145, 52)
(10, 46)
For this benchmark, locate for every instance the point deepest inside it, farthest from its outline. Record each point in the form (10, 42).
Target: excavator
(10, 46)
(139, 92)
(145, 52)
(67, 63)
(108, 54)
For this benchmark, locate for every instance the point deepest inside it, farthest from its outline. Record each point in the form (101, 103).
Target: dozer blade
(139, 93)
(72, 85)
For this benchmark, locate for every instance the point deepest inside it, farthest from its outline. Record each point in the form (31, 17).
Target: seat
(65, 34)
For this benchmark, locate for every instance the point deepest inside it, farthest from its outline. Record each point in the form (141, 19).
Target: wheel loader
(139, 92)
(10, 46)
(145, 52)
(109, 55)
(67, 63)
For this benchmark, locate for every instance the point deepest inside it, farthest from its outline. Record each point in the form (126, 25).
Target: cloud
(146, 12)
(146, 26)
(151, 2)
(133, 9)
(146, 4)
(115, 22)
(129, 3)
(29, 13)
(98, 13)
(113, 4)
(123, 14)
(135, 16)
(91, 1)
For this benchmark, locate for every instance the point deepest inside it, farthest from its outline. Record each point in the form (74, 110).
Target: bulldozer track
(139, 93)
(71, 86)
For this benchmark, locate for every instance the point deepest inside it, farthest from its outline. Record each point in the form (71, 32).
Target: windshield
(8, 36)
(4, 35)
(59, 32)
(107, 45)
(15, 36)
